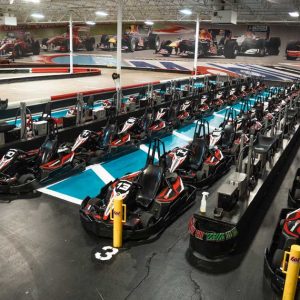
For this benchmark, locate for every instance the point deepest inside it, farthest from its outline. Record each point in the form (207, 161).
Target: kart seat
(198, 148)
(47, 149)
(264, 144)
(4, 127)
(150, 180)
(228, 136)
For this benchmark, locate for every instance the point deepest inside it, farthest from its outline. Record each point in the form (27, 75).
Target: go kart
(159, 124)
(94, 147)
(154, 197)
(198, 164)
(22, 172)
(294, 192)
(286, 234)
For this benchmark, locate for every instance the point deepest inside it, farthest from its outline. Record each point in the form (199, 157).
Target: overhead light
(101, 13)
(32, 1)
(148, 22)
(186, 11)
(294, 14)
(37, 16)
(90, 23)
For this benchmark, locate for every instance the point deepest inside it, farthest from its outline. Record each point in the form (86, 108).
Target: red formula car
(18, 46)
(61, 43)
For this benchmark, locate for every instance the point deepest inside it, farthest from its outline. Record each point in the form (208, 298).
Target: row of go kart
(22, 172)
(167, 186)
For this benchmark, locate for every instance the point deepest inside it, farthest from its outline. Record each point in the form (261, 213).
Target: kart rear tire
(90, 44)
(230, 49)
(26, 178)
(277, 258)
(147, 219)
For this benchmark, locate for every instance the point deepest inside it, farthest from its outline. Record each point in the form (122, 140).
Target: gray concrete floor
(45, 254)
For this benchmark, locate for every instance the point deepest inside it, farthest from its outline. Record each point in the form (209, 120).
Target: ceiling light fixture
(294, 14)
(186, 11)
(148, 22)
(101, 13)
(32, 1)
(37, 16)
(90, 23)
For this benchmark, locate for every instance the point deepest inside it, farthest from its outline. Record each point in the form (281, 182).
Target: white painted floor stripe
(218, 115)
(60, 196)
(105, 176)
(146, 149)
(182, 136)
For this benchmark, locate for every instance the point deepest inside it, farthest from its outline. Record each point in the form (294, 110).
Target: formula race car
(287, 233)
(136, 37)
(154, 197)
(61, 43)
(19, 46)
(209, 45)
(250, 44)
(292, 50)
(22, 172)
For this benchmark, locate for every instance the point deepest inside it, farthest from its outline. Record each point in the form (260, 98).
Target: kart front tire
(36, 48)
(26, 178)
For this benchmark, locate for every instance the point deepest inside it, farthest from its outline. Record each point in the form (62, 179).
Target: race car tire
(26, 178)
(104, 39)
(165, 45)
(90, 44)
(273, 45)
(230, 49)
(131, 44)
(67, 47)
(36, 48)
(147, 219)
(277, 258)
(18, 51)
(154, 42)
(261, 45)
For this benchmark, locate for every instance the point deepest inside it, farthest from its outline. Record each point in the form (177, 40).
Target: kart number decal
(10, 154)
(122, 187)
(181, 152)
(106, 253)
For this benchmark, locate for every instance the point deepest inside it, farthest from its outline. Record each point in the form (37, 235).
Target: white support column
(71, 43)
(119, 53)
(196, 44)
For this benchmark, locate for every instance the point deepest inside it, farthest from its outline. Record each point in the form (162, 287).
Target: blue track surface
(90, 182)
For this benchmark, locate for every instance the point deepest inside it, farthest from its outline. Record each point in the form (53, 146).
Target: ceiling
(156, 10)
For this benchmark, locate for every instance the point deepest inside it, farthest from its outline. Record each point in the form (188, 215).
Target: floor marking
(182, 136)
(219, 115)
(60, 196)
(105, 176)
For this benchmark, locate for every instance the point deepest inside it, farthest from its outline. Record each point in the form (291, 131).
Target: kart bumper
(19, 188)
(291, 53)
